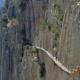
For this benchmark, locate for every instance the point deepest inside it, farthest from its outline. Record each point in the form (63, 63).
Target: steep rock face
(69, 45)
(16, 63)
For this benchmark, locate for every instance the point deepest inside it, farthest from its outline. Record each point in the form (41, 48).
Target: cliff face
(52, 25)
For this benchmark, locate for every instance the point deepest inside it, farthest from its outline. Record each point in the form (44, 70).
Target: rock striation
(39, 40)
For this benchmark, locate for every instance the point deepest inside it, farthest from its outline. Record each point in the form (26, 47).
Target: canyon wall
(50, 24)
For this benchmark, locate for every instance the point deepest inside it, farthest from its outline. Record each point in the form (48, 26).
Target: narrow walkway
(57, 62)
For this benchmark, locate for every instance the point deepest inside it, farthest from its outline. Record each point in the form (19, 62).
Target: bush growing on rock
(13, 20)
(13, 5)
(44, 22)
(5, 26)
(57, 32)
(6, 5)
(49, 26)
(5, 18)
(22, 5)
(33, 50)
(60, 13)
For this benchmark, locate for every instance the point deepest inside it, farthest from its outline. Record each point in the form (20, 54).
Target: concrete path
(54, 59)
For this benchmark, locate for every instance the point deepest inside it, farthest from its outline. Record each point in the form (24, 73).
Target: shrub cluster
(45, 21)
(13, 20)
(33, 50)
(6, 5)
(22, 5)
(13, 5)
(57, 32)
(5, 26)
(49, 26)
(60, 13)
(5, 18)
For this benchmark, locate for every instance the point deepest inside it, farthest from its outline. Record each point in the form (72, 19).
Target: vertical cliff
(39, 40)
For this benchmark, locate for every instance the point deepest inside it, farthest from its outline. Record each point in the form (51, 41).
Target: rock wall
(16, 62)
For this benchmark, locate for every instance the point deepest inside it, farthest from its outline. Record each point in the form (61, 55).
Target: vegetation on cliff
(6, 5)
(5, 17)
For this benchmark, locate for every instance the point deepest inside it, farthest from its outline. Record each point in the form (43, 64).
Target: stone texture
(16, 64)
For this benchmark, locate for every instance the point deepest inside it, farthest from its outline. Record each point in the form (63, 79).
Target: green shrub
(6, 5)
(19, 4)
(44, 22)
(30, 47)
(60, 13)
(49, 26)
(14, 17)
(5, 26)
(57, 32)
(13, 5)
(22, 5)
(33, 50)
(5, 18)
(13, 20)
